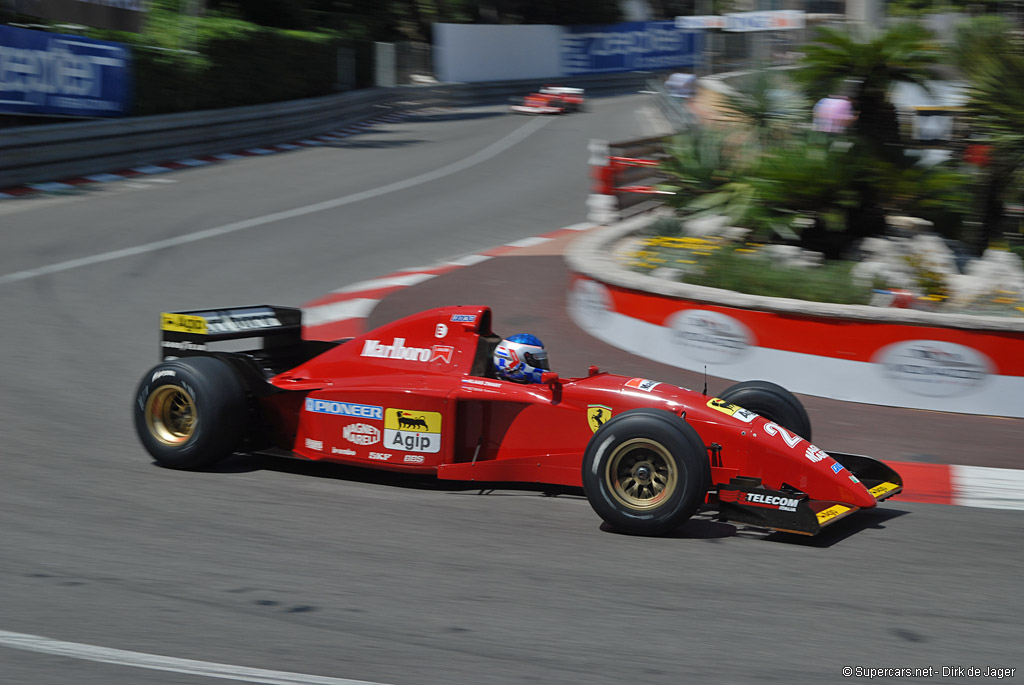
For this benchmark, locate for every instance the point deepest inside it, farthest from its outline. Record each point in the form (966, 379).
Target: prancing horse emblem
(597, 414)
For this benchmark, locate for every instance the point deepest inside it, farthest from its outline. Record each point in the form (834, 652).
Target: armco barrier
(922, 360)
(33, 154)
(625, 178)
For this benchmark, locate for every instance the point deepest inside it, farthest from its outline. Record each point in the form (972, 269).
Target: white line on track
(155, 662)
(483, 155)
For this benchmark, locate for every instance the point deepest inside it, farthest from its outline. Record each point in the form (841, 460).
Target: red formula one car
(549, 100)
(419, 395)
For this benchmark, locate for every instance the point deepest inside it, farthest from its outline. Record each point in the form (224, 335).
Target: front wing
(746, 501)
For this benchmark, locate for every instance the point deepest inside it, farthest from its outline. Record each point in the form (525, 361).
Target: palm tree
(765, 101)
(985, 51)
(866, 67)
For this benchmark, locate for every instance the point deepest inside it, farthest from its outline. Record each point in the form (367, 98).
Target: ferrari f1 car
(419, 395)
(549, 100)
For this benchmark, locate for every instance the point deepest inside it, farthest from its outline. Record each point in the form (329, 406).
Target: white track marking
(483, 155)
(151, 169)
(988, 488)
(469, 260)
(52, 187)
(154, 662)
(403, 281)
(528, 242)
(358, 308)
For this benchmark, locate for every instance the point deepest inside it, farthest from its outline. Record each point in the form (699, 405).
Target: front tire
(645, 472)
(190, 413)
(773, 402)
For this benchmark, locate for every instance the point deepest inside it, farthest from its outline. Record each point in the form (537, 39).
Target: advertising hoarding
(59, 74)
(630, 46)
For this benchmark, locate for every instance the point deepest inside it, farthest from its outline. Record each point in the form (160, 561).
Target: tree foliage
(865, 66)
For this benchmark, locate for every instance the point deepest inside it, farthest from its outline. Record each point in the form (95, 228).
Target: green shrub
(750, 273)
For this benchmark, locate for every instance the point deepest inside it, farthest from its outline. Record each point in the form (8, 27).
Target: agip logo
(412, 430)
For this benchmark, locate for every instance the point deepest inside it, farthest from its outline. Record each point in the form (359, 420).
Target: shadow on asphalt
(357, 144)
(458, 116)
(874, 519)
(245, 463)
(703, 526)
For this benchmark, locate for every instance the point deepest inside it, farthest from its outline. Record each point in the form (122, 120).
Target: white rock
(706, 226)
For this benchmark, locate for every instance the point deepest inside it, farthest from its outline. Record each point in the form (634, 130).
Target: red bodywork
(550, 100)
(415, 396)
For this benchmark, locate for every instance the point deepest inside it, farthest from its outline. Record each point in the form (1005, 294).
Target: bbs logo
(361, 433)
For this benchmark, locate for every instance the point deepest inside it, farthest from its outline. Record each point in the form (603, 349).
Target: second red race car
(431, 393)
(549, 100)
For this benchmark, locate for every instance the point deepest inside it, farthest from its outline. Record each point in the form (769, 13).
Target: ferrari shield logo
(597, 414)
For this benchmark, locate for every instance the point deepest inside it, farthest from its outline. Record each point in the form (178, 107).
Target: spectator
(833, 114)
(680, 85)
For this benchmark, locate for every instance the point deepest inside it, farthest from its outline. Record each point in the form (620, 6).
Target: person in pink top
(833, 114)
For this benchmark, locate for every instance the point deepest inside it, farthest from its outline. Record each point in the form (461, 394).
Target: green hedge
(243, 68)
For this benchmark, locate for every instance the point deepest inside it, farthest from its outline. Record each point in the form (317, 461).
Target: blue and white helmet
(521, 358)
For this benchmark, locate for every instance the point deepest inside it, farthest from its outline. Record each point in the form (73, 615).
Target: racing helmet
(521, 358)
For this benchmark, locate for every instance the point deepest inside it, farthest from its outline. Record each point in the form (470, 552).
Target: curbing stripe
(988, 488)
(356, 308)
(403, 280)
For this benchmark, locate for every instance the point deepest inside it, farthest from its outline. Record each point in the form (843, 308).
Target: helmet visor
(538, 360)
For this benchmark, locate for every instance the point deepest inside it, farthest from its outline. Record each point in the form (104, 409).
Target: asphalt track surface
(318, 573)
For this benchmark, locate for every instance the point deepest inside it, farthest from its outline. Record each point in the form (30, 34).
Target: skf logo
(182, 323)
(597, 415)
(412, 430)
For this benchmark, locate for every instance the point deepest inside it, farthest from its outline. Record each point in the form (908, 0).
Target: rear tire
(645, 472)
(773, 402)
(190, 413)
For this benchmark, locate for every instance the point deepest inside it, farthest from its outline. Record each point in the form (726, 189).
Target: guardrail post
(602, 204)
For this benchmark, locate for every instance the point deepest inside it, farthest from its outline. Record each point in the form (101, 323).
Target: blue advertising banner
(632, 46)
(54, 73)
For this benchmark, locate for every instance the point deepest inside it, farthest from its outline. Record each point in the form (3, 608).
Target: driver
(521, 358)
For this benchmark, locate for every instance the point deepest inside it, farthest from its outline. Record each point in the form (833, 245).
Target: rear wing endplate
(189, 333)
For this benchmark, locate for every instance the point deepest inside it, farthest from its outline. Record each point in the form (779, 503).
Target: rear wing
(185, 334)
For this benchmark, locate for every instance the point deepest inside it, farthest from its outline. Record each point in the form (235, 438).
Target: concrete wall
(498, 52)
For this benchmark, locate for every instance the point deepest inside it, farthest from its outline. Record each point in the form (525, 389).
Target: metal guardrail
(33, 154)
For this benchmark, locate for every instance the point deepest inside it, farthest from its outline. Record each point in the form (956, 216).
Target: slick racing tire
(773, 402)
(190, 413)
(645, 472)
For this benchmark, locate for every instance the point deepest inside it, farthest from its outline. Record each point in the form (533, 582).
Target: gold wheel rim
(642, 474)
(171, 415)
